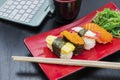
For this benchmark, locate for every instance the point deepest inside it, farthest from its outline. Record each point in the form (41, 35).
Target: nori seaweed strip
(82, 32)
(78, 48)
(57, 44)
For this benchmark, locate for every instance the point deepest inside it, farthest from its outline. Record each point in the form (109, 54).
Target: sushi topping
(72, 37)
(85, 32)
(91, 34)
(50, 39)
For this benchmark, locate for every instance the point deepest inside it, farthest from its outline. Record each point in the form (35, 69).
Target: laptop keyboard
(20, 10)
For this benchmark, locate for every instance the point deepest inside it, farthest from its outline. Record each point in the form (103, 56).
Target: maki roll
(75, 39)
(62, 48)
(88, 36)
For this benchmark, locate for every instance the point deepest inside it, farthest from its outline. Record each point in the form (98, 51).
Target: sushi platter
(44, 44)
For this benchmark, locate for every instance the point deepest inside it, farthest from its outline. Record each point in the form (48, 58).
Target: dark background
(11, 43)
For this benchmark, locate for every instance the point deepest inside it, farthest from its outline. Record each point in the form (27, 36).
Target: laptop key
(17, 17)
(13, 13)
(24, 16)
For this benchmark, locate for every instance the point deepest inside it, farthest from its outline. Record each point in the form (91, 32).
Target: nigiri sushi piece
(60, 47)
(75, 39)
(104, 36)
(88, 37)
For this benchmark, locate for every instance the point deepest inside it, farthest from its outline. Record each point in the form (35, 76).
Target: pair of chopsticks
(70, 62)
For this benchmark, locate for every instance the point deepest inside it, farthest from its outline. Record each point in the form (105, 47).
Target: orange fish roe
(104, 36)
(72, 37)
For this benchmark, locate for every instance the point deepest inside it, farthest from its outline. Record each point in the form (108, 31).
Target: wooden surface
(11, 43)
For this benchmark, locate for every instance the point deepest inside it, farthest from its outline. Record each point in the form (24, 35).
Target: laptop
(28, 12)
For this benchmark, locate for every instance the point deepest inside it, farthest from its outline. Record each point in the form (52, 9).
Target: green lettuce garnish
(109, 20)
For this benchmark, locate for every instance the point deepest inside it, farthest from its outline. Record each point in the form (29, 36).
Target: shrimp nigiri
(104, 35)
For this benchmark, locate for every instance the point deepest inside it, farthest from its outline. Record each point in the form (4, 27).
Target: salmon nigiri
(104, 35)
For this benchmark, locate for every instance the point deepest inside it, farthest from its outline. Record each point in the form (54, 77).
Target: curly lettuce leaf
(109, 20)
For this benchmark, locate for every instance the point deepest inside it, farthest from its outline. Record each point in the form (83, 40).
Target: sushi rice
(89, 43)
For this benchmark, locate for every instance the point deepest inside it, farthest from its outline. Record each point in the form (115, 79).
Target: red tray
(37, 46)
